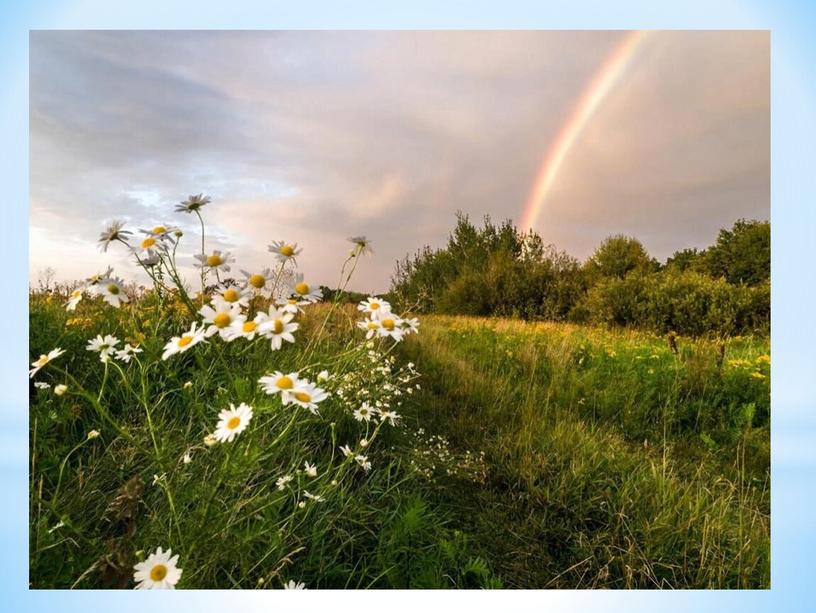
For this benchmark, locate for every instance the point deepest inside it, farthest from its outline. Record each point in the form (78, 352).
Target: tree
(741, 254)
(617, 256)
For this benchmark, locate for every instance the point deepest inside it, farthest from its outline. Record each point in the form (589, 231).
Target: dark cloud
(316, 136)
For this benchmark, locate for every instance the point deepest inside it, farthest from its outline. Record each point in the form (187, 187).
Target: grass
(534, 455)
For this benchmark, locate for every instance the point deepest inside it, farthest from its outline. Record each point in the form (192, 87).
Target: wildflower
(374, 307)
(284, 251)
(278, 327)
(220, 316)
(192, 204)
(43, 360)
(187, 385)
(159, 478)
(291, 585)
(216, 260)
(73, 300)
(323, 375)
(346, 450)
(292, 305)
(187, 458)
(278, 382)
(146, 247)
(104, 345)
(390, 326)
(410, 326)
(757, 375)
(180, 344)
(371, 326)
(158, 572)
(282, 481)
(302, 504)
(315, 497)
(95, 279)
(60, 389)
(310, 469)
(159, 232)
(392, 417)
(365, 412)
(113, 291)
(233, 294)
(307, 395)
(113, 232)
(362, 245)
(259, 282)
(127, 352)
(42, 385)
(246, 329)
(303, 290)
(93, 434)
(363, 462)
(210, 440)
(232, 422)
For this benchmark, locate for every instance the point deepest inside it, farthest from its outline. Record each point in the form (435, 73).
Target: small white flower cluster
(381, 322)
(432, 457)
(108, 348)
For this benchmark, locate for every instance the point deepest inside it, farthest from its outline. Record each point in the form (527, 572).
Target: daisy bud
(187, 459)
(60, 389)
(188, 385)
(301, 505)
(93, 434)
(363, 443)
(210, 440)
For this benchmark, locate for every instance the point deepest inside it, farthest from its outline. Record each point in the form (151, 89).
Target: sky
(313, 137)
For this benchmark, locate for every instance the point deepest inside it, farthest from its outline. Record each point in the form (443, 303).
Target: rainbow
(594, 93)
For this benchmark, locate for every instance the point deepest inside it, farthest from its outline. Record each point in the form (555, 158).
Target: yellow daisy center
(214, 260)
(222, 320)
(43, 360)
(231, 295)
(388, 324)
(302, 288)
(184, 341)
(257, 281)
(287, 250)
(113, 289)
(285, 383)
(234, 422)
(292, 301)
(277, 327)
(159, 230)
(303, 396)
(374, 305)
(158, 572)
(249, 326)
(148, 242)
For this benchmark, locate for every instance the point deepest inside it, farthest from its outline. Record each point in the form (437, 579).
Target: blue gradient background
(794, 233)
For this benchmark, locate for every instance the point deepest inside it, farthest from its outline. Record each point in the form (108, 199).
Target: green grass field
(530, 455)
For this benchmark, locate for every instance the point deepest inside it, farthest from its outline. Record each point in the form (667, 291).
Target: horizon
(313, 137)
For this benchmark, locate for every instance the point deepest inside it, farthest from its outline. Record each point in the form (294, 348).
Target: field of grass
(530, 455)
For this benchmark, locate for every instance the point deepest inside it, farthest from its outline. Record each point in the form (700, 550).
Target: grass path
(573, 496)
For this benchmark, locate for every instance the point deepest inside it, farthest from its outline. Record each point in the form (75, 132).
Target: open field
(532, 455)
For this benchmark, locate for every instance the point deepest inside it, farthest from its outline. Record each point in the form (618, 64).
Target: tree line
(496, 270)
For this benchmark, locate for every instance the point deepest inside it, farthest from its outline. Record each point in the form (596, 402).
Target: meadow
(255, 435)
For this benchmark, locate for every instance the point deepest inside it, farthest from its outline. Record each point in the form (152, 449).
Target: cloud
(316, 136)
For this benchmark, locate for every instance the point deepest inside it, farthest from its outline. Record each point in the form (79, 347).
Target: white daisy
(233, 294)
(303, 291)
(160, 232)
(307, 395)
(362, 245)
(244, 328)
(113, 232)
(310, 469)
(278, 327)
(284, 251)
(147, 247)
(392, 417)
(390, 325)
(346, 450)
(127, 352)
(232, 422)
(363, 462)
(259, 282)
(73, 299)
(112, 290)
(192, 204)
(292, 305)
(365, 412)
(94, 280)
(180, 344)
(292, 585)
(43, 360)
(104, 345)
(371, 326)
(158, 572)
(411, 326)
(283, 481)
(215, 261)
(280, 383)
(221, 315)
(374, 307)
